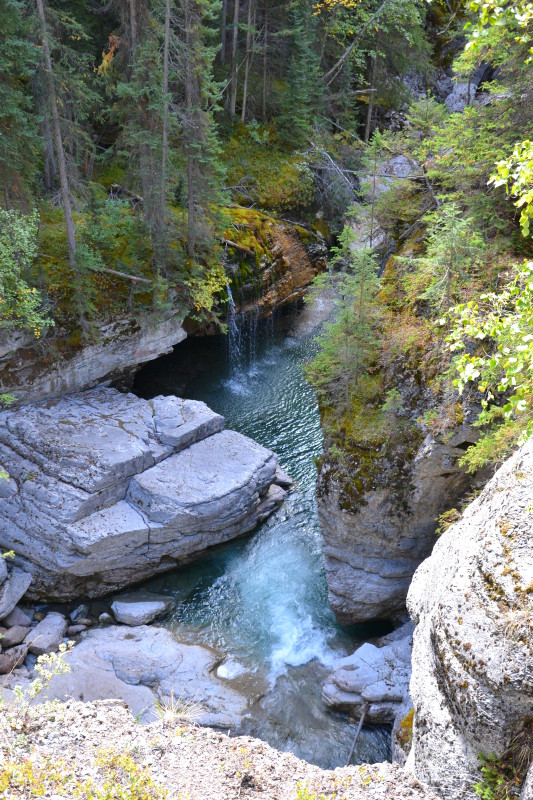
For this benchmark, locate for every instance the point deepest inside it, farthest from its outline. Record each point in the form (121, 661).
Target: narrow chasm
(260, 603)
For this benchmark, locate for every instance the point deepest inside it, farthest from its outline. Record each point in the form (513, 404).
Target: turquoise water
(261, 602)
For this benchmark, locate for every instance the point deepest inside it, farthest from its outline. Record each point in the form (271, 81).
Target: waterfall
(234, 333)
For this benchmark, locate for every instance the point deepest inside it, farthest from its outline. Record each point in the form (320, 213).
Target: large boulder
(47, 634)
(13, 588)
(472, 601)
(112, 489)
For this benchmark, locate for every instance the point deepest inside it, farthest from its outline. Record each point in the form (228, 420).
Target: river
(261, 602)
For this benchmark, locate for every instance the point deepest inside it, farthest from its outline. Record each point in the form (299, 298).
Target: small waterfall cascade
(242, 335)
(234, 333)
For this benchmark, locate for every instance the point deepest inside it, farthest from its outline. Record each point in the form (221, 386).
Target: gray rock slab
(14, 635)
(140, 665)
(138, 612)
(113, 489)
(47, 634)
(12, 590)
(180, 423)
(17, 617)
(213, 484)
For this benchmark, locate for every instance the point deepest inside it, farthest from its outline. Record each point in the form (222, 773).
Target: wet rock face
(110, 489)
(32, 371)
(374, 544)
(472, 602)
(283, 276)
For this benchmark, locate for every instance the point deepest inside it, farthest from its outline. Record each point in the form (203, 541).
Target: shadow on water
(261, 602)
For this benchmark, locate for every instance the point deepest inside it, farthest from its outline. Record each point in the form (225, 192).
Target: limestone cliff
(33, 370)
(379, 510)
(274, 262)
(472, 679)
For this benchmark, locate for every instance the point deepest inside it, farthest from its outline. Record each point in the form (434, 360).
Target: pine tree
(349, 342)
(19, 141)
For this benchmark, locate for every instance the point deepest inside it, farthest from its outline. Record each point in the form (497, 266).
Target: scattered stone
(84, 621)
(282, 479)
(14, 635)
(47, 635)
(13, 589)
(138, 612)
(12, 658)
(105, 618)
(73, 630)
(375, 675)
(271, 502)
(80, 611)
(17, 617)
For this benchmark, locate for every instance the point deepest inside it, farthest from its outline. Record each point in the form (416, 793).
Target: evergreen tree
(349, 342)
(19, 141)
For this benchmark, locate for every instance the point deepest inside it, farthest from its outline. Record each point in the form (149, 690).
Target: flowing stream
(261, 602)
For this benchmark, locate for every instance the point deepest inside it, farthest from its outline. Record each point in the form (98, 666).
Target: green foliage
(349, 342)
(502, 776)
(515, 16)
(260, 171)
(454, 251)
(19, 142)
(516, 174)
(304, 793)
(119, 778)
(21, 305)
(495, 339)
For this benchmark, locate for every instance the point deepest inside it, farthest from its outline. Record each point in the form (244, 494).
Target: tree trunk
(265, 63)
(371, 94)
(195, 126)
(234, 49)
(164, 146)
(331, 74)
(249, 55)
(223, 32)
(133, 26)
(58, 142)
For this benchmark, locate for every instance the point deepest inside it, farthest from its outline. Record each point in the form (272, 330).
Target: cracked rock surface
(472, 602)
(110, 489)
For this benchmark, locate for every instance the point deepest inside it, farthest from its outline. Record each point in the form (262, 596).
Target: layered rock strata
(472, 601)
(373, 546)
(107, 489)
(34, 370)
